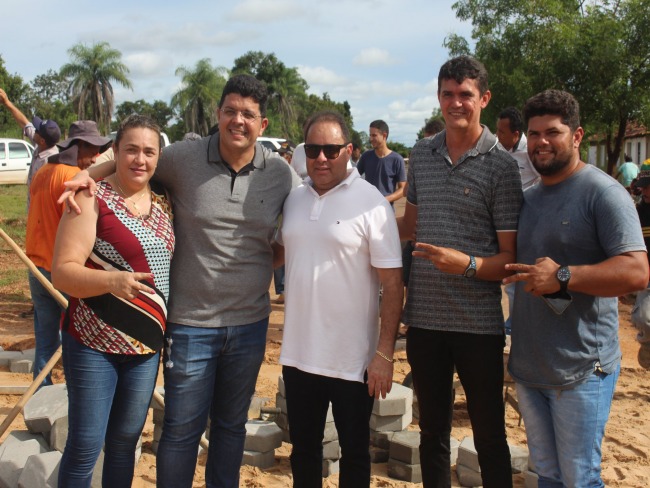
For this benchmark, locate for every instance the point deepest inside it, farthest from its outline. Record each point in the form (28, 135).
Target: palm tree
(199, 96)
(92, 70)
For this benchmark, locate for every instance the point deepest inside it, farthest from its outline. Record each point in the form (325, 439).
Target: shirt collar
(353, 174)
(258, 162)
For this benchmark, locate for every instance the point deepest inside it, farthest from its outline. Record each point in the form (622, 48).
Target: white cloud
(262, 11)
(374, 56)
(146, 64)
(320, 76)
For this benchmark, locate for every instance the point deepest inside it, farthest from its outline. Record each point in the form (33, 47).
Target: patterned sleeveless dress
(126, 242)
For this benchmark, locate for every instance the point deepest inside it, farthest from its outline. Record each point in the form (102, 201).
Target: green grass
(13, 211)
(13, 220)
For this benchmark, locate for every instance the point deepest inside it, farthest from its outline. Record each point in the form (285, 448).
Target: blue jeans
(565, 430)
(308, 398)
(108, 400)
(47, 320)
(278, 280)
(208, 371)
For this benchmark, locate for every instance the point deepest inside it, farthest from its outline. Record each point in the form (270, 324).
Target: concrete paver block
(331, 450)
(378, 455)
(46, 406)
(518, 459)
(262, 436)
(330, 434)
(281, 403)
(392, 423)
(330, 467)
(405, 447)
(405, 472)
(21, 436)
(398, 402)
(21, 366)
(7, 356)
(157, 432)
(467, 455)
(29, 353)
(15, 456)
(381, 439)
(154, 404)
(453, 447)
(468, 476)
(282, 420)
(59, 434)
(260, 460)
(531, 479)
(41, 470)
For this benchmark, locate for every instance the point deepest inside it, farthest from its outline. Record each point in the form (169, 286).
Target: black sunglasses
(331, 151)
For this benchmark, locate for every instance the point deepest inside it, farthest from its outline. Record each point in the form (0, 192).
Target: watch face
(470, 273)
(563, 274)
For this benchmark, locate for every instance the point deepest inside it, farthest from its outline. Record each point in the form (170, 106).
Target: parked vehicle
(272, 143)
(15, 159)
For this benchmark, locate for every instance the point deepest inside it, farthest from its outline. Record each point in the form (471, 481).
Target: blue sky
(382, 56)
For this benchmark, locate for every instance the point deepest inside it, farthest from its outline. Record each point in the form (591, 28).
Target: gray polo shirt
(460, 206)
(222, 265)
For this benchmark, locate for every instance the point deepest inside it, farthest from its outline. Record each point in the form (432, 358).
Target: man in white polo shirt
(340, 242)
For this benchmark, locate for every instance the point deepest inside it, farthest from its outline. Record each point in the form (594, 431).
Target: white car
(15, 159)
(271, 143)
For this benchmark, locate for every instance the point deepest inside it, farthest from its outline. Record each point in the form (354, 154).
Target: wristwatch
(470, 272)
(563, 275)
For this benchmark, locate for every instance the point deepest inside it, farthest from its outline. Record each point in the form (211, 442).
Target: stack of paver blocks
(389, 415)
(262, 437)
(331, 447)
(469, 471)
(18, 361)
(31, 458)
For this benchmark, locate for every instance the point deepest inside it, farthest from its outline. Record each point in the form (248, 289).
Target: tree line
(83, 89)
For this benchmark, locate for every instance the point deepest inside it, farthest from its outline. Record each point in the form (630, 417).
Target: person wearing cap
(641, 310)
(44, 134)
(286, 150)
(77, 152)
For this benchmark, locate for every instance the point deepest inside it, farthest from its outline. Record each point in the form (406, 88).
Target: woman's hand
(124, 284)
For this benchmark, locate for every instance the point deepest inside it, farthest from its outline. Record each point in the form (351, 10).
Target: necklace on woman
(133, 202)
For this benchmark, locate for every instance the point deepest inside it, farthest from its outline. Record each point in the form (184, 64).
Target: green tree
(158, 111)
(287, 91)
(197, 100)
(19, 93)
(399, 148)
(598, 51)
(92, 71)
(50, 98)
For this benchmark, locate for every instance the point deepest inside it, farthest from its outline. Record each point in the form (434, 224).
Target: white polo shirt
(332, 244)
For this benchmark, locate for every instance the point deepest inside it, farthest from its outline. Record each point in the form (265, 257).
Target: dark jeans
(308, 397)
(479, 362)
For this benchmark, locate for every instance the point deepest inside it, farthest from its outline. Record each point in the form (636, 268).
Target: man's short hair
(461, 68)
(433, 126)
(515, 120)
(380, 125)
(247, 86)
(554, 102)
(328, 116)
(137, 121)
(355, 146)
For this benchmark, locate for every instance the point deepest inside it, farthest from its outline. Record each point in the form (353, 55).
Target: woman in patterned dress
(113, 260)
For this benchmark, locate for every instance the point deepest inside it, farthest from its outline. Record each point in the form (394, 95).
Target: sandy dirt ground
(626, 448)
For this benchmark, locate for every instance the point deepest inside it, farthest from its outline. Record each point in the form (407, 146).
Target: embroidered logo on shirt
(467, 190)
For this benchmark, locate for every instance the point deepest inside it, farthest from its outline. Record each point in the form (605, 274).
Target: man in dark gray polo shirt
(463, 200)
(227, 195)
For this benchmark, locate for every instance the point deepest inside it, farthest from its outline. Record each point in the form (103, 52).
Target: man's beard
(551, 167)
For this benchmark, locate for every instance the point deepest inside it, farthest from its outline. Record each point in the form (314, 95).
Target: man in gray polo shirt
(227, 195)
(464, 195)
